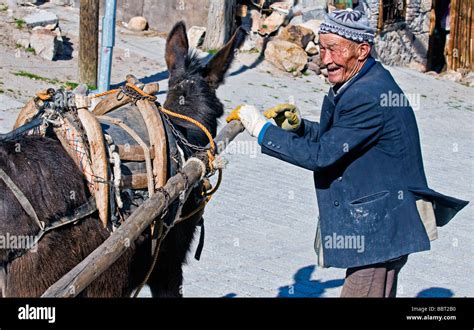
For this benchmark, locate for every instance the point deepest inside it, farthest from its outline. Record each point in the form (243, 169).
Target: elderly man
(374, 202)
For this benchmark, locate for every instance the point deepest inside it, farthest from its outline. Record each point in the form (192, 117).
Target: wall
(162, 14)
(405, 43)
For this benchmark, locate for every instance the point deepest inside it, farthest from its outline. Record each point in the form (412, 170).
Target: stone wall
(162, 14)
(404, 43)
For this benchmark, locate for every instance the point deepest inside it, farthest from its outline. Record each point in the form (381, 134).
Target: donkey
(49, 179)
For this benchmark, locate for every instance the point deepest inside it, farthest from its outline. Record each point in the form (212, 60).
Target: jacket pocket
(368, 213)
(369, 198)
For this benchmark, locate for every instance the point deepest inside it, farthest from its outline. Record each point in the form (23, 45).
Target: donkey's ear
(215, 70)
(177, 48)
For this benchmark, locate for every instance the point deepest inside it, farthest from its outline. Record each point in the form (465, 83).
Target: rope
(112, 91)
(149, 97)
(212, 149)
(45, 95)
(210, 152)
(154, 260)
(117, 171)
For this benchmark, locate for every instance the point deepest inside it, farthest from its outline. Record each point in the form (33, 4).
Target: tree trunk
(88, 41)
(220, 23)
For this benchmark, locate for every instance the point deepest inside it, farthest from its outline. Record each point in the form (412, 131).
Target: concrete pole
(108, 42)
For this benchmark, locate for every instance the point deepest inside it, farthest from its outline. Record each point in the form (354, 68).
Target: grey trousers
(377, 280)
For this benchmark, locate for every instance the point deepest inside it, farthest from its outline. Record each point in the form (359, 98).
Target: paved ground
(260, 226)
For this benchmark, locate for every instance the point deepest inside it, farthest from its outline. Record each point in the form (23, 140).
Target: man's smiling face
(343, 58)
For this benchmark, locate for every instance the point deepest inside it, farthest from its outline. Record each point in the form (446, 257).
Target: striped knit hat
(349, 24)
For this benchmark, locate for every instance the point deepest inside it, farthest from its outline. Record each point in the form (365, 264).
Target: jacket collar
(336, 95)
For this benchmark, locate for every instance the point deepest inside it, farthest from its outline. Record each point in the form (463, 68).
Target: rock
(254, 41)
(286, 56)
(46, 43)
(451, 76)
(63, 2)
(58, 32)
(297, 20)
(272, 23)
(281, 14)
(260, 43)
(21, 37)
(324, 72)
(313, 3)
(315, 59)
(51, 26)
(313, 25)
(196, 36)
(137, 23)
(417, 66)
(312, 49)
(250, 42)
(41, 18)
(282, 6)
(315, 64)
(469, 79)
(297, 34)
(25, 43)
(310, 10)
(432, 73)
(314, 67)
(256, 20)
(313, 13)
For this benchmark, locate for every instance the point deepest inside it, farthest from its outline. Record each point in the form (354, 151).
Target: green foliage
(20, 24)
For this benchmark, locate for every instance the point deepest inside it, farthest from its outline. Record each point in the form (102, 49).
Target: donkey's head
(193, 83)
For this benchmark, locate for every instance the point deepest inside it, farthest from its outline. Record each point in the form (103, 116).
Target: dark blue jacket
(368, 171)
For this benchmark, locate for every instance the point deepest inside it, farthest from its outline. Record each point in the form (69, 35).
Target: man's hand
(286, 116)
(250, 117)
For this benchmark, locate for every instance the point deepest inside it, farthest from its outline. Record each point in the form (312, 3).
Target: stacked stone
(405, 43)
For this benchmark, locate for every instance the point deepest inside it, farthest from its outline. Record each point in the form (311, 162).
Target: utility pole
(88, 41)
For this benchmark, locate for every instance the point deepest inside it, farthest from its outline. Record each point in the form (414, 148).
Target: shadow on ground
(305, 287)
(67, 50)
(163, 75)
(157, 77)
(435, 292)
(259, 60)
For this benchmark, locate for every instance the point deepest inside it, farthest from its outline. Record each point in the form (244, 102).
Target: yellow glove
(235, 114)
(251, 118)
(286, 116)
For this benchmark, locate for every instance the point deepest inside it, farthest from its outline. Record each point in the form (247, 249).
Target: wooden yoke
(26, 113)
(156, 132)
(110, 102)
(91, 156)
(99, 162)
